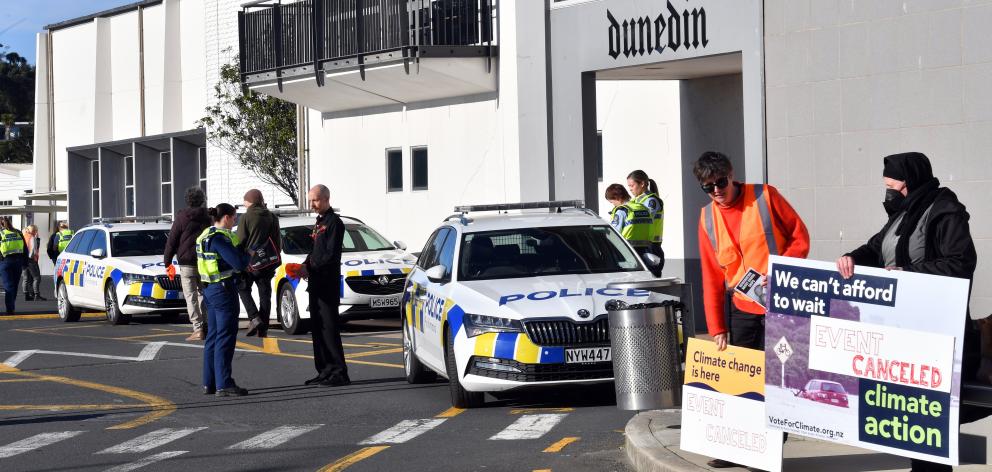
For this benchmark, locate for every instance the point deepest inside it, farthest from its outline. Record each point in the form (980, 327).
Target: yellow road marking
(450, 412)
(542, 470)
(307, 341)
(373, 353)
(49, 317)
(19, 380)
(558, 446)
(145, 336)
(352, 459)
(253, 347)
(270, 345)
(528, 411)
(159, 406)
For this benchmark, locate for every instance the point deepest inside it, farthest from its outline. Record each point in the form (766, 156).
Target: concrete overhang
(391, 82)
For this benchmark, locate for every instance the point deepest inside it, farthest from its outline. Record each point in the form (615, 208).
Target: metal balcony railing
(275, 35)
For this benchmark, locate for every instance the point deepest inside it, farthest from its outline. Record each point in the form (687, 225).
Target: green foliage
(16, 104)
(260, 131)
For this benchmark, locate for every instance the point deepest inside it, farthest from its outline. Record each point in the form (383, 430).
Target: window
(202, 154)
(429, 256)
(166, 160)
(599, 155)
(95, 176)
(128, 185)
(446, 257)
(530, 252)
(6, 202)
(99, 241)
(81, 242)
(419, 168)
(394, 170)
(139, 243)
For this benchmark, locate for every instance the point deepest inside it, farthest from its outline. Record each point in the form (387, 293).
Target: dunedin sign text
(671, 28)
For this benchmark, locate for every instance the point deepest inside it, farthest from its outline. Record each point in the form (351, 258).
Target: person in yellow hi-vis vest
(645, 192)
(217, 261)
(632, 220)
(11, 262)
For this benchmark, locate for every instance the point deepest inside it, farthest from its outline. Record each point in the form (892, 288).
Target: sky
(21, 20)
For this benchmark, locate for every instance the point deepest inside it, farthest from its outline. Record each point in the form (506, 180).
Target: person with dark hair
(32, 273)
(322, 268)
(739, 229)
(218, 260)
(181, 245)
(12, 262)
(632, 220)
(58, 241)
(259, 233)
(927, 232)
(645, 192)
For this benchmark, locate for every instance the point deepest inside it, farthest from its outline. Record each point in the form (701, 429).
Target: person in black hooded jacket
(181, 245)
(927, 232)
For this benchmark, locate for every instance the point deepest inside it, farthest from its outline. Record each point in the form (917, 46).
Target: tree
(259, 130)
(16, 104)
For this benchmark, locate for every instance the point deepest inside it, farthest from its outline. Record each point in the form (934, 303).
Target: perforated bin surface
(646, 360)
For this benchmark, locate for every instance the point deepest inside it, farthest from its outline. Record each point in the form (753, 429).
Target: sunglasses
(719, 183)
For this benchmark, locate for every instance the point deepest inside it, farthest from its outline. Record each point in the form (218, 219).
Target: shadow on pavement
(849, 463)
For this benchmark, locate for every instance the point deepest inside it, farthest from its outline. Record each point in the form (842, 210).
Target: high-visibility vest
(11, 242)
(758, 238)
(658, 218)
(208, 263)
(638, 228)
(64, 237)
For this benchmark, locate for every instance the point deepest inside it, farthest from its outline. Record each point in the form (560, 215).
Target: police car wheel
(289, 311)
(67, 312)
(460, 398)
(416, 373)
(114, 315)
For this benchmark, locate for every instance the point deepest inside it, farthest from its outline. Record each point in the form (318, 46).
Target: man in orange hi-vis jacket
(738, 230)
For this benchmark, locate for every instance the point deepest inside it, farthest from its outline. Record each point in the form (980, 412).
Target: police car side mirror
(652, 260)
(435, 274)
(98, 253)
(400, 245)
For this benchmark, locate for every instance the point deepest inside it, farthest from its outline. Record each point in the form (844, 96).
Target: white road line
(150, 351)
(150, 441)
(35, 442)
(275, 437)
(530, 427)
(146, 461)
(403, 431)
(19, 357)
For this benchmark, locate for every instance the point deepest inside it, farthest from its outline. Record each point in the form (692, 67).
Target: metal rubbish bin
(646, 349)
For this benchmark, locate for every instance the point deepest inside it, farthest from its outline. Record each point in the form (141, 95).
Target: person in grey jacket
(258, 230)
(31, 271)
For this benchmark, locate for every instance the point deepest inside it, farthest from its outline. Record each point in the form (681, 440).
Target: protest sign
(875, 360)
(723, 406)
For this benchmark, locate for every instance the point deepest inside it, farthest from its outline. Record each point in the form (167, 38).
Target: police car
(510, 300)
(117, 268)
(373, 272)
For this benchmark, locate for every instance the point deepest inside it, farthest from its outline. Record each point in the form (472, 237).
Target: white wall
(124, 72)
(74, 70)
(851, 82)
(646, 138)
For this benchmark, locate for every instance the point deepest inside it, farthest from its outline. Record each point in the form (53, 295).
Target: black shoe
(721, 464)
(209, 390)
(234, 391)
(253, 325)
(316, 380)
(40, 298)
(335, 381)
(263, 331)
(28, 297)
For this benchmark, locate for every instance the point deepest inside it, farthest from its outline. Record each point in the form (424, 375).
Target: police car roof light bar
(134, 219)
(556, 204)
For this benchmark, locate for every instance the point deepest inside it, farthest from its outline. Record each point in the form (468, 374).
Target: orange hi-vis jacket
(739, 237)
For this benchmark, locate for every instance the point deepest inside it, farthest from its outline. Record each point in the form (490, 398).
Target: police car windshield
(357, 238)
(544, 251)
(148, 242)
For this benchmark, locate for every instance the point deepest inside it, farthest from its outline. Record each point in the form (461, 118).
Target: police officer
(632, 220)
(645, 192)
(59, 240)
(217, 261)
(12, 262)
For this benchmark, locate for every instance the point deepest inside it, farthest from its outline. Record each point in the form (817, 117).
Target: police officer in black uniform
(322, 268)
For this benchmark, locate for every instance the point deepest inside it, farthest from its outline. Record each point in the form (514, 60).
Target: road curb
(649, 451)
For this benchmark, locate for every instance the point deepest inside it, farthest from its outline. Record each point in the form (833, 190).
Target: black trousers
(325, 330)
(262, 280)
(746, 329)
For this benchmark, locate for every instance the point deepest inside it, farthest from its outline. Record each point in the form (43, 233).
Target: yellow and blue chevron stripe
(153, 290)
(518, 347)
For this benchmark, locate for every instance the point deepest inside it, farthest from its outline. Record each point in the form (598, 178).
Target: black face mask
(893, 201)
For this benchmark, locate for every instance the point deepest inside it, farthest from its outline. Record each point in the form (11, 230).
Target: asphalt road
(89, 396)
